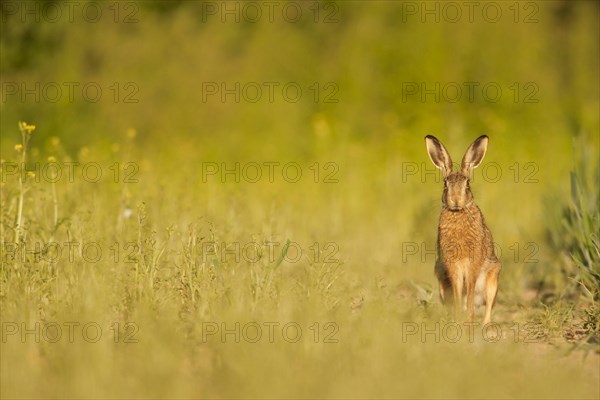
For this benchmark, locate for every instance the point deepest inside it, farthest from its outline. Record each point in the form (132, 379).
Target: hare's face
(457, 193)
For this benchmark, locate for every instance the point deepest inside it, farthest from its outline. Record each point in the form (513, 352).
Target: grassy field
(234, 200)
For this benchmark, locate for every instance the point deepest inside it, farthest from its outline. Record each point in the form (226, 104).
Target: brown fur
(465, 244)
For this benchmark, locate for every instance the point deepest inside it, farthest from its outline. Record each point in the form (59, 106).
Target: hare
(466, 258)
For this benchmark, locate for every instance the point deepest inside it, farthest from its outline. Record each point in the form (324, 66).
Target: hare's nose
(454, 204)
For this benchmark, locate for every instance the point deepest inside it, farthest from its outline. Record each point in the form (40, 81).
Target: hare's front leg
(457, 292)
(491, 288)
(471, 282)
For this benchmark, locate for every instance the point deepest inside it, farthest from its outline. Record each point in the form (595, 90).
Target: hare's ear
(474, 155)
(439, 155)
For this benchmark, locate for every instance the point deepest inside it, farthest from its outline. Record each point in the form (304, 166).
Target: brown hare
(466, 260)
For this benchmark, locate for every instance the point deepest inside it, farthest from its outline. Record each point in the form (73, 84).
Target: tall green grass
(575, 237)
(169, 271)
(582, 222)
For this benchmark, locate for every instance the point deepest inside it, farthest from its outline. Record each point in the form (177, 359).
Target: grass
(165, 278)
(187, 304)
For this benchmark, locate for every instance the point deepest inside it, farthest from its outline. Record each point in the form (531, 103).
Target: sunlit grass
(346, 253)
(168, 276)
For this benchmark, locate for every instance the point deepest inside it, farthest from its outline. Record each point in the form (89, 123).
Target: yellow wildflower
(19, 147)
(24, 126)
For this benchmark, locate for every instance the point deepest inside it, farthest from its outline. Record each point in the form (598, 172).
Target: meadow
(234, 200)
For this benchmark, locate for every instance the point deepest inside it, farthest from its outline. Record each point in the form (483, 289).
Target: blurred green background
(375, 78)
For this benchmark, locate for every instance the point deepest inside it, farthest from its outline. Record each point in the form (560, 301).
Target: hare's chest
(460, 236)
